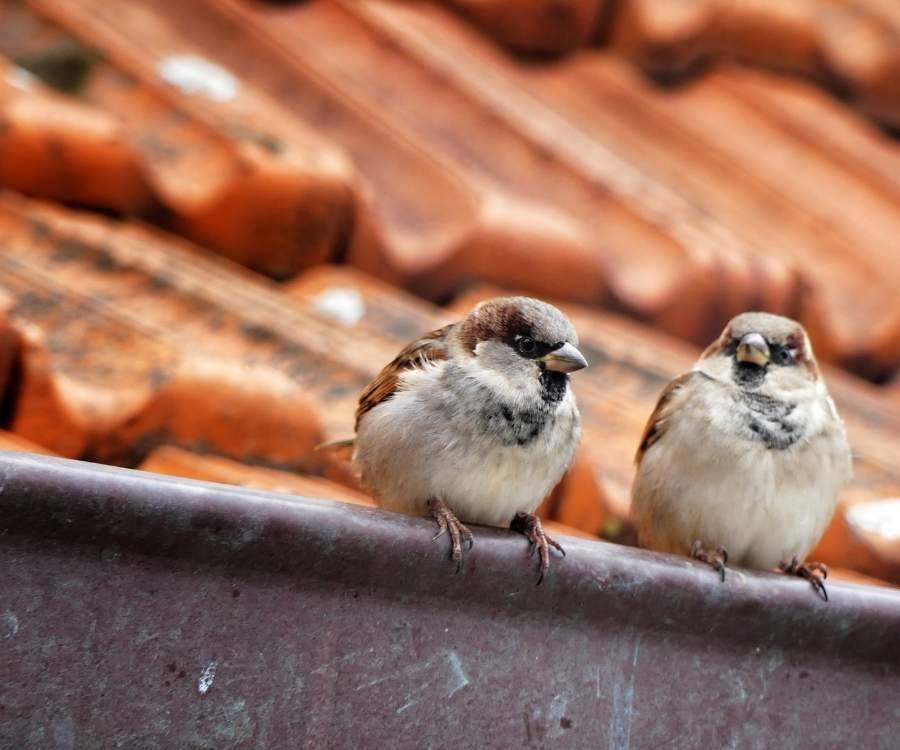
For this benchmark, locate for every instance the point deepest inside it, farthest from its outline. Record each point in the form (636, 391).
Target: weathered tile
(155, 130)
(162, 343)
(181, 463)
(538, 26)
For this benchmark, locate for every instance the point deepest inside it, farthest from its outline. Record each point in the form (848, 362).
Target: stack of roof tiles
(221, 217)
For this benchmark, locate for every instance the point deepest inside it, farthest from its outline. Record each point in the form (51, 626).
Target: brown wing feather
(656, 425)
(431, 347)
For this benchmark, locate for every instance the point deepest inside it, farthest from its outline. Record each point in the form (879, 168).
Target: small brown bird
(744, 455)
(475, 422)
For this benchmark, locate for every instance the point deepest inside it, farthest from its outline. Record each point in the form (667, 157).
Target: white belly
(764, 505)
(407, 456)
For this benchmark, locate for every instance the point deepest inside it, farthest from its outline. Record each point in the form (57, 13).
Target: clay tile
(558, 212)
(850, 46)
(181, 463)
(366, 306)
(537, 26)
(227, 166)
(216, 358)
(57, 148)
(9, 441)
(876, 524)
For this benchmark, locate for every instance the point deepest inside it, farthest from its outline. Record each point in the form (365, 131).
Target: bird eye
(526, 345)
(783, 356)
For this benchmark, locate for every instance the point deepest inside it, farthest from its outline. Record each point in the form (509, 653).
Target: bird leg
(448, 522)
(531, 527)
(814, 572)
(717, 558)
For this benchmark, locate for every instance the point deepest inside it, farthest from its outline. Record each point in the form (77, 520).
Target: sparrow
(474, 422)
(744, 455)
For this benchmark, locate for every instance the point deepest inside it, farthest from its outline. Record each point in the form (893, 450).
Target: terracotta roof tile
(876, 526)
(563, 211)
(9, 441)
(848, 45)
(541, 26)
(368, 307)
(182, 463)
(770, 201)
(216, 355)
(56, 148)
(159, 131)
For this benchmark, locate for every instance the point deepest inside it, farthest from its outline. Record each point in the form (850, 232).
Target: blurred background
(220, 218)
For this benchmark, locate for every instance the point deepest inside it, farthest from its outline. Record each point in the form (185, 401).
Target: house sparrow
(744, 455)
(475, 422)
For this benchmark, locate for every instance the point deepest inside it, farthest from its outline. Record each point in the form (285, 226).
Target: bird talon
(448, 522)
(814, 572)
(717, 559)
(539, 542)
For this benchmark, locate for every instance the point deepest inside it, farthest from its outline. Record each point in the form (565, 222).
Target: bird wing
(667, 404)
(429, 348)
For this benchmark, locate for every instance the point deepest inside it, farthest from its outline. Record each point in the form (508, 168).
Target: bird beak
(565, 359)
(754, 349)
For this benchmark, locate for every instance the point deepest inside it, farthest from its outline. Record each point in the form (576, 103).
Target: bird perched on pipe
(474, 422)
(743, 457)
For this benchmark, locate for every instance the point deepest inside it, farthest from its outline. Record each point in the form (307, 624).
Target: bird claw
(814, 572)
(448, 523)
(717, 559)
(539, 542)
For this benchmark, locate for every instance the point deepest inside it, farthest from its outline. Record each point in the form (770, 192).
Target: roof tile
(537, 26)
(181, 463)
(209, 157)
(216, 356)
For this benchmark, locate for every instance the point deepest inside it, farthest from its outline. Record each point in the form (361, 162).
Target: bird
(744, 455)
(474, 422)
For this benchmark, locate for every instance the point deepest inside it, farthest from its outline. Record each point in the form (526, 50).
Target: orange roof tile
(541, 26)
(216, 356)
(171, 136)
(181, 463)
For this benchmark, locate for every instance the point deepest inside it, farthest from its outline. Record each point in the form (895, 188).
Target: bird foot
(814, 572)
(531, 527)
(717, 558)
(448, 523)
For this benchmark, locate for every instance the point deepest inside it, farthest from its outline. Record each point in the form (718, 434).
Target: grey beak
(753, 348)
(565, 359)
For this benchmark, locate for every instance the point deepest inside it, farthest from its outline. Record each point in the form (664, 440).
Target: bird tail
(341, 449)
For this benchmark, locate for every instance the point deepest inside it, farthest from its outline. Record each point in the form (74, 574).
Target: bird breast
(759, 477)
(449, 437)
